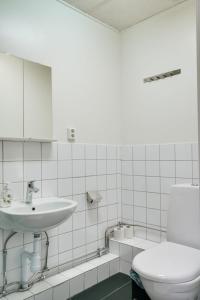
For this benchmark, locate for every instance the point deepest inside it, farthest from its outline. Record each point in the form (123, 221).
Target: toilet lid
(169, 263)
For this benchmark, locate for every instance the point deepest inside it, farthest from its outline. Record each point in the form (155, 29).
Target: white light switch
(71, 134)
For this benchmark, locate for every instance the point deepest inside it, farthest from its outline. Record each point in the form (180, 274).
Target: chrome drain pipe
(4, 289)
(5, 252)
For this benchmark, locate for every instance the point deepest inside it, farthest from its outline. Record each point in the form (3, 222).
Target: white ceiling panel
(122, 14)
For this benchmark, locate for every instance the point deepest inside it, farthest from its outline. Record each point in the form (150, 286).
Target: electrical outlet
(71, 134)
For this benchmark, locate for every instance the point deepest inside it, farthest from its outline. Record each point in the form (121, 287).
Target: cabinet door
(37, 101)
(11, 97)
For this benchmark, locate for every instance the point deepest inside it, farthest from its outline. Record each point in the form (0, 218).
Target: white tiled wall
(134, 181)
(148, 171)
(63, 170)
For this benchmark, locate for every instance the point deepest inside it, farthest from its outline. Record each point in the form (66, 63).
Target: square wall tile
(65, 258)
(139, 152)
(153, 184)
(127, 167)
(126, 152)
(78, 186)
(65, 242)
(153, 217)
(153, 200)
(101, 167)
(103, 272)
(32, 170)
(49, 151)
(152, 168)
(127, 197)
(91, 183)
(139, 183)
(81, 200)
(91, 234)
(139, 168)
(140, 214)
(76, 285)
(101, 151)
(91, 167)
(184, 169)
(13, 171)
(112, 212)
(64, 187)
(111, 166)
(102, 182)
(17, 189)
(126, 252)
(90, 278)
(66, 226)
(61, 292)
(114, 267)
(79, 238)
(49, 188)
(78, 168)
(167, 152)
(79, 252)
(44, 295)
(78, 151)
(90, 151)
(152, 152)
(32, 151)
(183, 151)
(65, 169)
(127, 212)
(13, 151)
(111, 152)
(49, 170)
(111, 196)
(124, 267)
(140, 198)
(112, 182)
(91, 217)
(127, 182)
(64, 151)
(167, 169)
(102, 214)
(78, 220)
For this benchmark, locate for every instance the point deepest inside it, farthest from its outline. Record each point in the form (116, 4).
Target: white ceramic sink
(42, 214)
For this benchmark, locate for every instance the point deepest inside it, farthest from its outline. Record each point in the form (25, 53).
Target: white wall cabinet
(11, 97)
(25, 100)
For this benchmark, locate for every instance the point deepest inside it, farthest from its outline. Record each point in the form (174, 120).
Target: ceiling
(122, 14)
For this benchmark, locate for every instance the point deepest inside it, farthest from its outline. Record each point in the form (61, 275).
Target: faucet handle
(31, 183)
(32, 186)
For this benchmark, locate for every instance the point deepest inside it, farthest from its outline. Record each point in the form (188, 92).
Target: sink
(41, 215)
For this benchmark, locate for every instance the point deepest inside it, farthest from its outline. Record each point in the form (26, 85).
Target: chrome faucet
(31, 188)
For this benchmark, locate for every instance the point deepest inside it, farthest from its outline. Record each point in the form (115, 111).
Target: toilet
(171, 270)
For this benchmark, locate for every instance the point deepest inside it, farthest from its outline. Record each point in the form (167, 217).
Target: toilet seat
(168, 263)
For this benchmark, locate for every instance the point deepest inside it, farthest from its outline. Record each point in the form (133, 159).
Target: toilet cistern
(31, 188)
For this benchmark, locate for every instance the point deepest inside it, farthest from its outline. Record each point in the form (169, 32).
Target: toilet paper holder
(93, 197)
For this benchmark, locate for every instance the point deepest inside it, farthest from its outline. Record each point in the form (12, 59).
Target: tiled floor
(115, 288)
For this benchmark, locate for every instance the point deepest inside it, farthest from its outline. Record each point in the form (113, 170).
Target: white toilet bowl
(170, 272)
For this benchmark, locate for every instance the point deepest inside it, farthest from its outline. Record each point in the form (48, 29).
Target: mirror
(25, 99)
